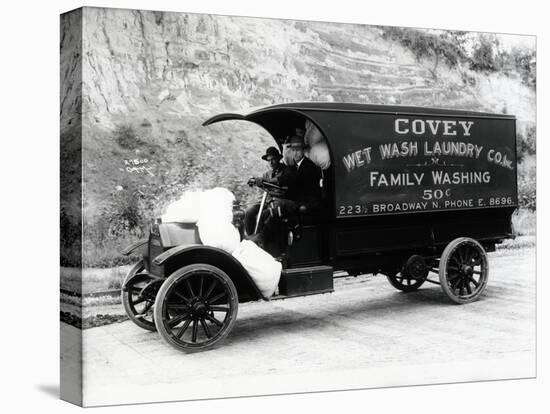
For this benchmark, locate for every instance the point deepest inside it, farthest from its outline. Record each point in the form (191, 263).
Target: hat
(272, 151)
(296, 140)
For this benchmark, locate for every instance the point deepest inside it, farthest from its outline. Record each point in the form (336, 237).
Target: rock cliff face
(162, 74)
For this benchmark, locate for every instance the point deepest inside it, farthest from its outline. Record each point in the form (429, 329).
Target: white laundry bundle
(185, 210)
(217, 205)
(219, 234)
(264, 270)
(320, 155)
(312, 135)
(215, 220)
(212, 211)
(318, 149)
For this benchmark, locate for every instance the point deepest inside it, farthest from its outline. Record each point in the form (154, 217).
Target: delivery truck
(415, 194)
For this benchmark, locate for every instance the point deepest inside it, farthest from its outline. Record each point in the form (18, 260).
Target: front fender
(134, 246)
(169, 254)
(137, 278)
(179, 256)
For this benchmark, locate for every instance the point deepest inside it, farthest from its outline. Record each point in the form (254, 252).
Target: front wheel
(196, 307)
(463, 270)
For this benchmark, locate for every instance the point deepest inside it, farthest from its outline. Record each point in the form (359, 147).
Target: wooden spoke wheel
(403, 281)
(463, 270)
(196, 307)
(138, 297)
(412, 276)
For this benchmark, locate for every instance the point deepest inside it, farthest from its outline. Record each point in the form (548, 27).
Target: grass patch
(521, 242)
(105, 252)
(91, 321)
(92, 280)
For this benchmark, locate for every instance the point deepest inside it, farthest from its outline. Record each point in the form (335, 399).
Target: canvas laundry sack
(185, 210)
(312, 135)
(320, 155)
(218, 234)
(264, 270)
(217, 205)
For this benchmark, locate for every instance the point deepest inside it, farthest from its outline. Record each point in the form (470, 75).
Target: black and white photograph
(257, 206)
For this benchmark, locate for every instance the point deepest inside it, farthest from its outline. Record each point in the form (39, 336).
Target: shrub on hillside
(526, 143)
(524, 62)
(525, 222)
(125, 213)
(122, 221)
(446, 45)
(527, 185)
(101, 250)
(483, 56)
(127, 137)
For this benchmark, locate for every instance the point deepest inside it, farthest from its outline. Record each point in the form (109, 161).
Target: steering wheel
(267, 186)
(272, 186)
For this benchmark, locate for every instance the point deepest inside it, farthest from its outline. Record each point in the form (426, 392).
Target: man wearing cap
(278, 174)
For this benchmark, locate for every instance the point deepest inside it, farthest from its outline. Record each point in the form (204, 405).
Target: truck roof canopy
(367, 142)
(281, 120)
(353, 107)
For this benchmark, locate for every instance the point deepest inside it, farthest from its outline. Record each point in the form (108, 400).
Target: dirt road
(365, 334)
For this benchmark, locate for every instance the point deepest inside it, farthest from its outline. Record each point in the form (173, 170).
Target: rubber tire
(125, 297)
(403, 288)
(443, 274)
(174, 279)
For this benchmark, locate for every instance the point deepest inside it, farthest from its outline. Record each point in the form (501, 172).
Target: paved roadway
(365, 334)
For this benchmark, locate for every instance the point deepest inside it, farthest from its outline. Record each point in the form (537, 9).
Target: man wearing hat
(300, 176)
(303, 182)
(305, 187)
(277, 174)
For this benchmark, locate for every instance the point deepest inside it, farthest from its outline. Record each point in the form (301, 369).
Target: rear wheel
(196, 307)
(463, 270)
(402, 281)
(412, 276)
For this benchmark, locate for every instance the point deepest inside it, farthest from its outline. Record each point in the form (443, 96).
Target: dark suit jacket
(278, 177)
(303, 185)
